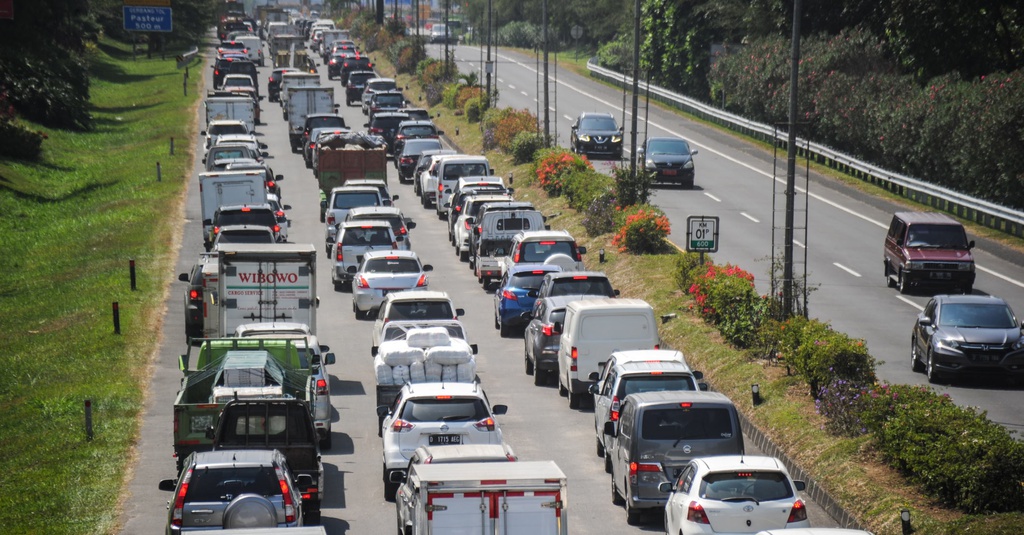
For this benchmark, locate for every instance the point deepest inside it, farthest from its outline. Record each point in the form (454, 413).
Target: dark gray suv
(542, 339)
(961, 334)
(233, 489)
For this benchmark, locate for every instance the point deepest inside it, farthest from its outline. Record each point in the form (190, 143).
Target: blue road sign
(147, 19)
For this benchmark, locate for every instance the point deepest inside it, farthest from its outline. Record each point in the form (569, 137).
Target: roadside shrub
(632, 190)
(474, 109)
(688, 268)
(554, 165)
(18, 141)
(599, 218)
(519, 34)
(820, 354)
(451, 92)
(582, 187)
(842, 403)
(510, 124)
(525, 145)
(643, 232)
(616, 54)
(726, 297)
(466, 93)
(957, 455)
(433, 92)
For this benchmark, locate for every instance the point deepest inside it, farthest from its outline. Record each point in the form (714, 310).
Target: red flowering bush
(555, 165)
(821, 354)
(511, 123)
(725, 296)
(643, 232)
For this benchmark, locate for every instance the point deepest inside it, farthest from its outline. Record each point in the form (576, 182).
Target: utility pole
(447, 32)
(794, 77)
(636, 88)
(547, 105)
(488, 67)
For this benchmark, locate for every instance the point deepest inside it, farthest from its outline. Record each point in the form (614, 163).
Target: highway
(539, 424)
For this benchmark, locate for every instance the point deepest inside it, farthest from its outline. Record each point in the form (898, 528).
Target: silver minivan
(657, 434)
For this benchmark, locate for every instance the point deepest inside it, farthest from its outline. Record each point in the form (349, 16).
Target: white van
(592, 331)
(450, 169)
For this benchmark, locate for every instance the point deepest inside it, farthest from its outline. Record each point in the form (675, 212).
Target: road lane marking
(712, 197)
(524, 93)
(846, 269)
(750, 217)
(909, 302)
(798, 244)
(567, 118)
(510, 86)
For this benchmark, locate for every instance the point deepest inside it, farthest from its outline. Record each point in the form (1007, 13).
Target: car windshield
(982, 316)
(421, 310)
(937, 237)
(221, 129)
(356, 198)
(598, 123)
(245, 236)
(325, 122)
(366, 236)
(653, 383)
(381, 86)
(417, 146)
(581, 285)
(744, 486)
(223, 484)
(539, 251)
(687, 424)
(444, 410)
(668, 146)
(391, 265)
(527, 280)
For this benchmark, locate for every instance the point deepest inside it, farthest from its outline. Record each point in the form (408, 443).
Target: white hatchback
(733, 494)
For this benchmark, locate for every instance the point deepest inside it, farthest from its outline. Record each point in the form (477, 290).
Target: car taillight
(279, 213)
(321, 386)
(403, 231)
(286, 494)
(548, 330)
(216, 230)
(458, 208)
(695, 513)
(422, 282)
(374, 130)
(195, 294)
(362, 282)
(440, 187)
(798, 513)
(515, 257)
(400, 426)
(487, 424)
(406, 160)
(579, 257)
(614, 416)
(179, 500)
(271, 184)
(340, 255)
(505, 294)
(330, 219)
(277, 229)
(334, 62)
(468, 226)
(574, 354)
(635, 468)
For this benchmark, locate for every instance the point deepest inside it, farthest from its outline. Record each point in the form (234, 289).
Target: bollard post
(184, 83)
(158, 175)
(172, 146)
(88, 419)
(131, 272)
(117, 318)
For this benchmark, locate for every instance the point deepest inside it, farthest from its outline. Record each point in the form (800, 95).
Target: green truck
(235, 368)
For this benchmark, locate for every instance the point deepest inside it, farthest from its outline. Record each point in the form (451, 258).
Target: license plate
(444, 440)
(940, 275)
(670, 172)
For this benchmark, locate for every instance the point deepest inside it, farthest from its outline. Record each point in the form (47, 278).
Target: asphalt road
(734, 181)
(539, 424)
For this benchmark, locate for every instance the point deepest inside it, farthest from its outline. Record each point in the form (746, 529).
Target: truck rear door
(458, 513)
(503, 512)
(528, 512)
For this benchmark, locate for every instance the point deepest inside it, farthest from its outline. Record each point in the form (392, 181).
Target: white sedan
(383, 272)
(733, 494)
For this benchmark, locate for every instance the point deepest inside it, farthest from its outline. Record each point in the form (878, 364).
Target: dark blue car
(512, 299)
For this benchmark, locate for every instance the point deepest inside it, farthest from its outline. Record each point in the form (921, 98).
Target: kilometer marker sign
(702, 234)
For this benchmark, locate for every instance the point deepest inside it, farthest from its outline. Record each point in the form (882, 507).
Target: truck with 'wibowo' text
(266, 282)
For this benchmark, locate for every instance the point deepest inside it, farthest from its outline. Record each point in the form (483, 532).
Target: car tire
(574, 400)
(540, 377)
(472, 261)
(929, 370)
(915, 359)
(390, 489)
(633, 515)
(327, 441)
(600, 448)
(901, 283)
(616, 497)
(528, 365)
(504, 330)
(967, 289)
(463, 255)
(607, 463)
(562, 391)
(889, 283)
(339, 286)
(424, 201)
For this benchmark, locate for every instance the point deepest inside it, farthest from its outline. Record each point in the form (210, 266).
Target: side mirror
(366, 125)
(410, 224)
(278, 177)
(183, 277)
(533, 293)
(593, 377)
(593, 388)
(970, 245)
(382, 411)
(665, 487)
(694, 151)
(698, 375)
(399, 239)
(510, 191)
(440, 132)
(167, 484)
(924, 321)
(204, 160)
(703, 387)
(581, 249)
(210, 433)
(460, 312)
(264, 146)
(470, 220)
(499, 409)
(207, 222)
(640, 152)
(394, 197)
(329, 359)
(397, 476)
(428, 268)
(351, 269)
(491, 172)
(616, 292)
(800, 485)
(374, 350)
(475, 348)
(264, 154)
(304, 481)
(202, 132)
(557, 327)
(609, 429)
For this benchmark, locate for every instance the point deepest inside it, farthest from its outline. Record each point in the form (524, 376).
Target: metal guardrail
(979, 211)
(184, 59)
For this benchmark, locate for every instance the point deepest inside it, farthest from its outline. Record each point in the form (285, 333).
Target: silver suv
(234, 489)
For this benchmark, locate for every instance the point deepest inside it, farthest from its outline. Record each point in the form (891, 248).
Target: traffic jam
(254, 415)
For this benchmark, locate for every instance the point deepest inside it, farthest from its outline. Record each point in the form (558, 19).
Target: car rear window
(513, 223)
(456, 170)
(324, 122)
(581, 286)
(278, 424)
(444, 410)
(221, 484)
(355, 79)
(234, 153)
(366, 236)
(392, 265)
(527, 280)
(354, 199)
(246, 236)
(221, 129)
(254, 217)
(761, 486)
(539, 251)
(389, 123)
(417, 146)
(707, 423)
(653, 383)
(424, 130)
(421, 310)
(381, 86)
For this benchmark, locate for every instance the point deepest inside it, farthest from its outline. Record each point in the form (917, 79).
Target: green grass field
(73, 221)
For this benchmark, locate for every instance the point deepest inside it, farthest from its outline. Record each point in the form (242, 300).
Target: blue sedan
(511, 298)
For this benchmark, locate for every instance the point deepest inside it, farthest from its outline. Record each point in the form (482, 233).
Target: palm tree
(472, 79)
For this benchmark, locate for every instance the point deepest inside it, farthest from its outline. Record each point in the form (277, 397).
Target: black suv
(384, 101)
(385, 124)
(260, 214)
(233, 489)
(234, 66)
(358, 63)
(596, 134)
(274, 82)
(415, 130)
(320, 120)
(356, 84)
(335, 62)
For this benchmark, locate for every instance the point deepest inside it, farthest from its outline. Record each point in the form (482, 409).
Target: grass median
(74, 221)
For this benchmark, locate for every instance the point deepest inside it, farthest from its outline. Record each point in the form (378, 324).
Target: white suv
(434, 414)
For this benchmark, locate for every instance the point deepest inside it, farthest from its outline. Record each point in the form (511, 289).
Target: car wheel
(503, 330)
(424, 201)
(472, 261)
(390, 489)
(915, 359)
(600, 448)
(889, 283)
(632, 514)
(327, 441)
(930, 371)
(607, 463)
(901, 283)
(616, 497)
(528, 365)
(967, 289)
(574, 400)
(562, 391)
(463, 255)
(339, 286)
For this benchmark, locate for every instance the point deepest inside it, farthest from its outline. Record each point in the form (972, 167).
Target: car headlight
(649, 164)
(966, 266)
(688, 165)
(1018, 345)
(616, 139)
(914, 265)
(585, 138)
(950, 344)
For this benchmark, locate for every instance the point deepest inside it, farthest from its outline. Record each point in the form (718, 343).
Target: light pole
(489, 67)
(447, 63)
(636, 88)
(794, 77)
(547, 106)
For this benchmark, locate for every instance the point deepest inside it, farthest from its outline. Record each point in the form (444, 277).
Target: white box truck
(266, 282)
(515, 498)
(223, 108)
(226, 188)
(301, 102)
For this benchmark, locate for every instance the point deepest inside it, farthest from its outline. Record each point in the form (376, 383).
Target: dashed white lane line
(909, 302)
(846, 269)
(524, 93)
(567, 118)
(510, 86)
(798, 244)
(750, 217)
(712, 197)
